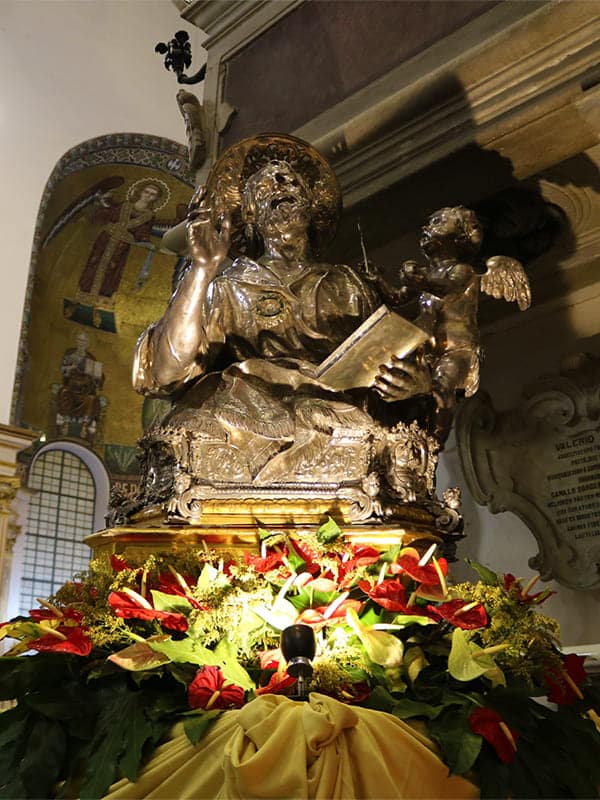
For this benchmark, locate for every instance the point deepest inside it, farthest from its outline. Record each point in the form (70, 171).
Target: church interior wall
(106, 80)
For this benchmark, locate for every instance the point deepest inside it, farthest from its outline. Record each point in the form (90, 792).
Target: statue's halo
(230, 173)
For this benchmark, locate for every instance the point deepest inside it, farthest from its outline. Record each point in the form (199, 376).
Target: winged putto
(447, 286)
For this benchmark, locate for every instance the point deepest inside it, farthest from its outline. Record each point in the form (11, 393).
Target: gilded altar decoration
(131, 647)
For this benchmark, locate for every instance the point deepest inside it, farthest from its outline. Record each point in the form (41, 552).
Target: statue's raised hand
(208, 243)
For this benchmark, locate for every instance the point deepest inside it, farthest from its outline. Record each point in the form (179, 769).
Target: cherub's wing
(505, 279)
(84, 199)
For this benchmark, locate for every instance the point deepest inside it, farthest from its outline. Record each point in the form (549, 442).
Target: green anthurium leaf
(380, 699)
(140, 656)
(414, 662)
(460, 746)
(390, 555)
(488, 576)
(170, 602)
(308, 598)
(197, 723)
(22, 629)
(373, 615)
(231, 667)
(495, 676)
(412, 619)
(295, 560)
(184, 651)
(265, 534)
(407, 708)
(329, 531)
(18, 648)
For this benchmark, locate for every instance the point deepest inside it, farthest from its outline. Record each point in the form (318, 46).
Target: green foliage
(197, 722)
(66, 728)
(459, 745)
(486, 575)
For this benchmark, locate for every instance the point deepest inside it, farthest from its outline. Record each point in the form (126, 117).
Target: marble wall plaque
(541, 460)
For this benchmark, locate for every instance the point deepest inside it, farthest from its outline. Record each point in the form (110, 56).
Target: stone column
(12, 441)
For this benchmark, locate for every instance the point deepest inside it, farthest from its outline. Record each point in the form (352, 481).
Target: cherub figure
(448, 296)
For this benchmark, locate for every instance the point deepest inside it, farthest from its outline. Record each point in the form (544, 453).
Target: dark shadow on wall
(518, 217)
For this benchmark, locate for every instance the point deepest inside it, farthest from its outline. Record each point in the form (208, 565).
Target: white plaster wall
(71, 70)
(517, 352)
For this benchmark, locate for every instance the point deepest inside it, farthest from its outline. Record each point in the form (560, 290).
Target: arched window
(69, 493)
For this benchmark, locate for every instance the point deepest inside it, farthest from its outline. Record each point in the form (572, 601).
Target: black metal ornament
(178, 57)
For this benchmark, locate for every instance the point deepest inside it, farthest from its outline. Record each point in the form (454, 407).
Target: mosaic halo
(139, 184)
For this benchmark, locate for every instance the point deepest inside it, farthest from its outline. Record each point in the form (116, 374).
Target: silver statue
(239, 345)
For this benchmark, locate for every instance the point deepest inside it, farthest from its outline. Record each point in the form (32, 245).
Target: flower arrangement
(125, 650)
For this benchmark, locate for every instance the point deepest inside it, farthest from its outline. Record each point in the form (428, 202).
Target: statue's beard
(285, 216)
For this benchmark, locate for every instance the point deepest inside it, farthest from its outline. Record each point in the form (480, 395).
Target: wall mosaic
(99, 275)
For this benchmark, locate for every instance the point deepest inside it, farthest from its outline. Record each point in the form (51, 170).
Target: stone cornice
(538, 63)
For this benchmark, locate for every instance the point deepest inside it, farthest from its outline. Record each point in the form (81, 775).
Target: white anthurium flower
(282, 613)
(383, 648)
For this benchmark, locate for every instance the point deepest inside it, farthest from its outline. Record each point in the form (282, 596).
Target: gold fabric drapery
(277, 748)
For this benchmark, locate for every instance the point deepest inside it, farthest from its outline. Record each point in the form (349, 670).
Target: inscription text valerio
(574, 488)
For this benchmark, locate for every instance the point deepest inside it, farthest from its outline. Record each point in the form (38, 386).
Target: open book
(356, 361)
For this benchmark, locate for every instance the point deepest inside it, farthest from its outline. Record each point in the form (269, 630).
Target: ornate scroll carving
(541, 460)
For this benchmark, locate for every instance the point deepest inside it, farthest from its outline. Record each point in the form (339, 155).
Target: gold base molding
(138, 543)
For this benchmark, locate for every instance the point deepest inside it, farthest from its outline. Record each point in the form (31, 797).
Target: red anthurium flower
(564, 686)
(208, 690)
(266, 564)
(118, 564)
(354, 693)
(509, 579)
(467, 616)
(426, 575)
(168, 584)
(127, 608)
(513, 585)
(362, 556)
(488, 723)
(308, 555)
(75, 641)
(389, 594)
(277, 684)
